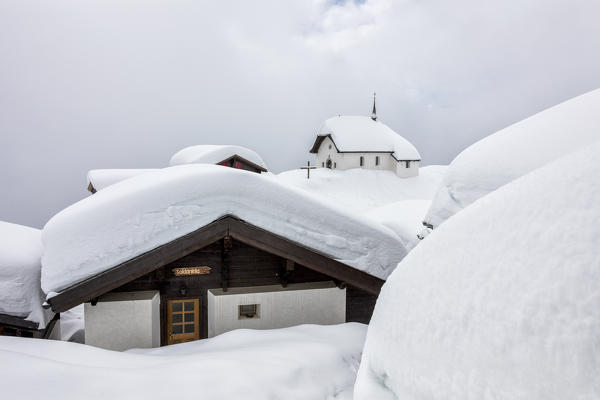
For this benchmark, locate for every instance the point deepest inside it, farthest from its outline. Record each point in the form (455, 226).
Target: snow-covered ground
(20, 292)
(397, 203)
(501, 301)
(302, 362)
(515, 151)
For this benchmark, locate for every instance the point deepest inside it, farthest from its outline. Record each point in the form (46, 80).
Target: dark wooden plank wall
(248, 266)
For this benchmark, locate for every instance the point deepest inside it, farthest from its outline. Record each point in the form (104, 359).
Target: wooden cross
(308, 168)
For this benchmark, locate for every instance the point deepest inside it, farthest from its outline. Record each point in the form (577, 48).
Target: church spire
(374, 113)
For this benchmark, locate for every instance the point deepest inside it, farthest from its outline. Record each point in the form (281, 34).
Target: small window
(362, 161)
(376, 160)
(323, 164)
(329, 147)
(407, 164)
(247, 311)
(334, 165)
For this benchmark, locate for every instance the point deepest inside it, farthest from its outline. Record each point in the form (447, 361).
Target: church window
(323, 164)
(362, 161)
(407, 164)
(334, 165)
(248, 311)
(376, 160)
(329, 147)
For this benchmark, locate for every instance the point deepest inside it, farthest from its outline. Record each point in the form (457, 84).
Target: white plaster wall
(344, 161)
(121, 321)
(313, 303)
(404, 172)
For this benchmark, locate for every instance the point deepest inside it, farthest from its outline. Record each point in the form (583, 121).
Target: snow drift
(302, 362)
(20, 292)
(212, 154)
(515, 151)
(500, 302)
(141, 213)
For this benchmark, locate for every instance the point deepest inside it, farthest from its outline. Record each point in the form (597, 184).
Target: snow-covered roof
(358, 134)
(20, 292)
(212, 154)
(132, 217)
(514, 151)
(101, 178)
(500, 301)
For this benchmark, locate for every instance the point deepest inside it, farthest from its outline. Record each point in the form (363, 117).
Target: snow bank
(101, 178)
(362, 190)
(303, 362)
(134, 216)
(405, 218)
(212, 154)
(357, 133)
(499, 302)
(515, 151)
(20, 293)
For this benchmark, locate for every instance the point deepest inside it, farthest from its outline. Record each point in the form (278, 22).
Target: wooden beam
(17, 322)
(111, 279)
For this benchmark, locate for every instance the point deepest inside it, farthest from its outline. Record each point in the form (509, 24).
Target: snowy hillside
(499, 302)
(515, 151)
(143, 212)
(303, 362)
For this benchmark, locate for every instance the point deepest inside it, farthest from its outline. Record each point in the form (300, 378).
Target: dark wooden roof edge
(402, 160)
(91, 188)
(19, 322)
(108, 280)
(259, 167)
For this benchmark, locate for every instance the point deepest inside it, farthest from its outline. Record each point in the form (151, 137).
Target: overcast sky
(125, 84)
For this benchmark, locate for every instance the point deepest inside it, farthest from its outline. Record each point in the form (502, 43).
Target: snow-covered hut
(227, 155)
(21, 298)
(346, 142)
(192, 251)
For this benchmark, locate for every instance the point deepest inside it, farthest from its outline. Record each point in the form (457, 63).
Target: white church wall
(344, 161)
(121, 321)
(412, 170)
(277, 307)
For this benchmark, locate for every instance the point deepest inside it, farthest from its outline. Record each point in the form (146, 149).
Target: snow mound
(516, 150)
(499, 302)
(101, 178)
(213, 154)
(361, 190)
(302, 362)
(357, 133)
(141, 213)
(403, 217)
(20, 292)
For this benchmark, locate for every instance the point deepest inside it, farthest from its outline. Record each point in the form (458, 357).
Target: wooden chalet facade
(16, 326)
(185, 279)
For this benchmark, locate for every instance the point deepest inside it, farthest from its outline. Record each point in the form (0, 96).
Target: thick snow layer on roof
(20, 292)
(356, 133)
(499, 302)
(212, 154)
(134, 216)
(362, 190)
(405, 218)
(515, 151)
(301, 362)
(101, 178)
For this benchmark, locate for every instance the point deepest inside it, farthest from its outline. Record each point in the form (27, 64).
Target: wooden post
(308, 168)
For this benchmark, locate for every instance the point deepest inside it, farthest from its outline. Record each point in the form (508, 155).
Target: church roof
(363, 134)
(213, 154)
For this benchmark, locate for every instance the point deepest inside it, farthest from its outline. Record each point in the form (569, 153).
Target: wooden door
(183, 323)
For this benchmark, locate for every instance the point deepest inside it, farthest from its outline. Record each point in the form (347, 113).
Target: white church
(346, 142)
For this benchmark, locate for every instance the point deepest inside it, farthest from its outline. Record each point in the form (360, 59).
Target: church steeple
(374, 113)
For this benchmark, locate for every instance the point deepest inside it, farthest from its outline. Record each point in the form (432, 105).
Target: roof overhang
(228, 225)
(237, 156)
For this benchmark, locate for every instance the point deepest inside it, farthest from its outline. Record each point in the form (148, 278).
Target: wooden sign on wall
(190, 271)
